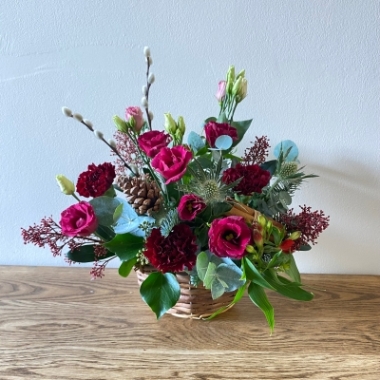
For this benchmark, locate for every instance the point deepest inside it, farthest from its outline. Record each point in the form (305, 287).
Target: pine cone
(141, 192)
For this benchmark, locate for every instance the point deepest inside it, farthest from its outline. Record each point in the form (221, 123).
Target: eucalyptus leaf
(258, 296)
(209, 275)
(160, 291)
(223, 142)
(230, 275)
(195, 141)
(202, 264)
(129, 221)
(217, 289)
(104, 208)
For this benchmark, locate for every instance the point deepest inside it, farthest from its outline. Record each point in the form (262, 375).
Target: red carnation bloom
(253, 178)
(96, 181)
(173, 253)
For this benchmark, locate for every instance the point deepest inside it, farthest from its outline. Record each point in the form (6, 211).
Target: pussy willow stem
(147, 94)
(112, 148)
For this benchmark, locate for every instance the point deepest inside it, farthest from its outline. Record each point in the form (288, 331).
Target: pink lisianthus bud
(190, 206)
(221, 93)
(79, 220)
(137, 115)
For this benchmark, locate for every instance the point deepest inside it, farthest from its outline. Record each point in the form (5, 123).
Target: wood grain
(57, 324)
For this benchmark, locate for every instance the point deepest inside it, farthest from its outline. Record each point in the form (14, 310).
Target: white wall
(313, 71)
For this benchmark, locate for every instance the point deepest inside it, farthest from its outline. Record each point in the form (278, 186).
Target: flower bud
(78, 117)
(67, 111)
(250, 249)
(151, 78)
(170, 125)
(120, 124)
(66, 186)
(146, 51)
(88, 123)
(230, 79)
(150, 61)
(241, 74)
(221, 93)
(181, 125)
(112, 144)
(295, 235)
(144, 102)
(242, 92)
(144, 90)
(236, 86)
(98, 134)
(150, 113)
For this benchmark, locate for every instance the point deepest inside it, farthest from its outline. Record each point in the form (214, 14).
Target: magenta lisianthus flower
(229, 237)
(173, 253)
(213, 130)
(171, 163)
(96, 180)
(221, 93)
(79, 220)
(137, 115)
(190, 206)
(153, 141)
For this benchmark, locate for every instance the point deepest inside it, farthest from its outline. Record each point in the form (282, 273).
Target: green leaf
(220, 208)
(118, 212)
(104, 208)
(290, 290)
(210, 275)
(126, 246)
(217, 289)
(126, 267)
(229, 275)
(110, 192)
(259, 298)
(239, 294)
(85, 254)
(276, 260)
(161, 292)
(104, 232)
(293, 272)
(202, 264)
(253, 274)
(305, 247)
(241, 127)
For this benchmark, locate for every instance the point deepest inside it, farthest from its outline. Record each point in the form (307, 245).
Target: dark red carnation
(96, 181)
(213, 130)
(173, 253)
(253, 178)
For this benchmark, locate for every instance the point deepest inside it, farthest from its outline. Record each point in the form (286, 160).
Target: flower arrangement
(191, 207)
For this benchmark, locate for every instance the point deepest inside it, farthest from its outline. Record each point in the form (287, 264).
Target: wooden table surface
(57, 324)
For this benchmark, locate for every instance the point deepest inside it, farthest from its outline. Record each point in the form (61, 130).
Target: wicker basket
(195, 302)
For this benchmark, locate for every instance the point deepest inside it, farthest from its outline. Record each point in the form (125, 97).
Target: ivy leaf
(161, 292)
(257, 295)
(125, 246)
(85, 254)
(126, 267)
